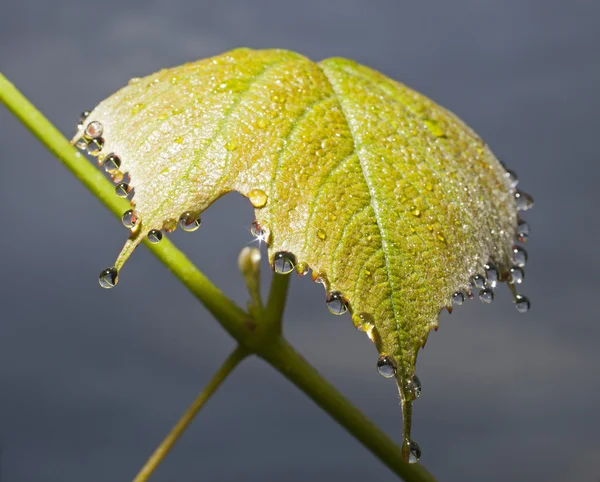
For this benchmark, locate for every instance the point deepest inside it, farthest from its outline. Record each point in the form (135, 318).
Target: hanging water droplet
(458, 298)
(108, 278)
(517, 275)
(478, 281)
(524, 201)
(513, 180)
(117, 176)
(95, 146)
(189, 222)
(82, 143)
(154, 236)
(486, 296)
(257, 231)
(82, 117)
(386, 366)
(112, 163)
(336, 303)
(122, 189)
(415, 452)
(94, 129)
(129, 219)
(522, 304)
(491, 273)
(413, 388)
(284, 262)
(321, 234)
(519, 256)
(302, 268)
(363, 321)
(522, 231)
(258, 198)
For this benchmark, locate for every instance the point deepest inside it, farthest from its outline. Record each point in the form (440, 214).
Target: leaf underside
(390, 199)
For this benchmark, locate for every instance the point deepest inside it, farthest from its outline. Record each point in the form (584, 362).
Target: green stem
(291, 365)
(273, 313)
(272, 348)
(163, 449)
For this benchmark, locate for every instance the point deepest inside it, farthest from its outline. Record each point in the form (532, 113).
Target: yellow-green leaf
(391, 200)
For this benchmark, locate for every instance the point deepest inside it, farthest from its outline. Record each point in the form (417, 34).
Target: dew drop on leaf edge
(284, 262)
(155, 236)
(258, 198)
(522, 304)
(189, 223)
(336, 303)
(386, 367)
(128, 219)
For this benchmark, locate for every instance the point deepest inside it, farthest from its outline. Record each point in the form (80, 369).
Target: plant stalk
(163, 449)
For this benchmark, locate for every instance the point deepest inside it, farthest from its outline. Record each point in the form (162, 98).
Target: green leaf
(391, 200)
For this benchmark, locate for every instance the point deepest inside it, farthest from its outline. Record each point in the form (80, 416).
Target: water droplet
(94, 129)
(478, 281)
(519, 256)
(112, 163)
(129, 219)
(82, 117)
(386, 366)
(491, 273)
(517, 275)
(413, 388)
(336, 303)
(178, 140)
(262, 123)
(486, 296)
(522, 304)
(116, 176)
(189, 222)
(136, 108)
(82, 143)
(257, 231)
(122, 189)
(416, 212)
(522, 231)
(108, 278)
(524, 201)
(363, 322)
(458, 298)
(513, 180)
(95, 146)
(154, 236)
(258, 198)
(302, 268)
(284, 262)
(415, 452)
(230, 146)
(321, 234)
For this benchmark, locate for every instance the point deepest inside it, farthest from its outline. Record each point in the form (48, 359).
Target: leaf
(391, 200)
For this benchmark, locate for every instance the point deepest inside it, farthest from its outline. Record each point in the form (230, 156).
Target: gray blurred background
(91, 380)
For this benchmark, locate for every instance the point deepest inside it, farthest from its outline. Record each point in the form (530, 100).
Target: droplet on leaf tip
(386, 366)
(155, 236)
(284, 262)
(258, 198)
(189, 222)
(108, 278)
(522, 304)
(336, 303)
(415, 452)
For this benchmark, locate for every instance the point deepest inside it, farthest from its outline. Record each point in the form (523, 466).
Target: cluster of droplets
(92, 142)
(485, 284)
